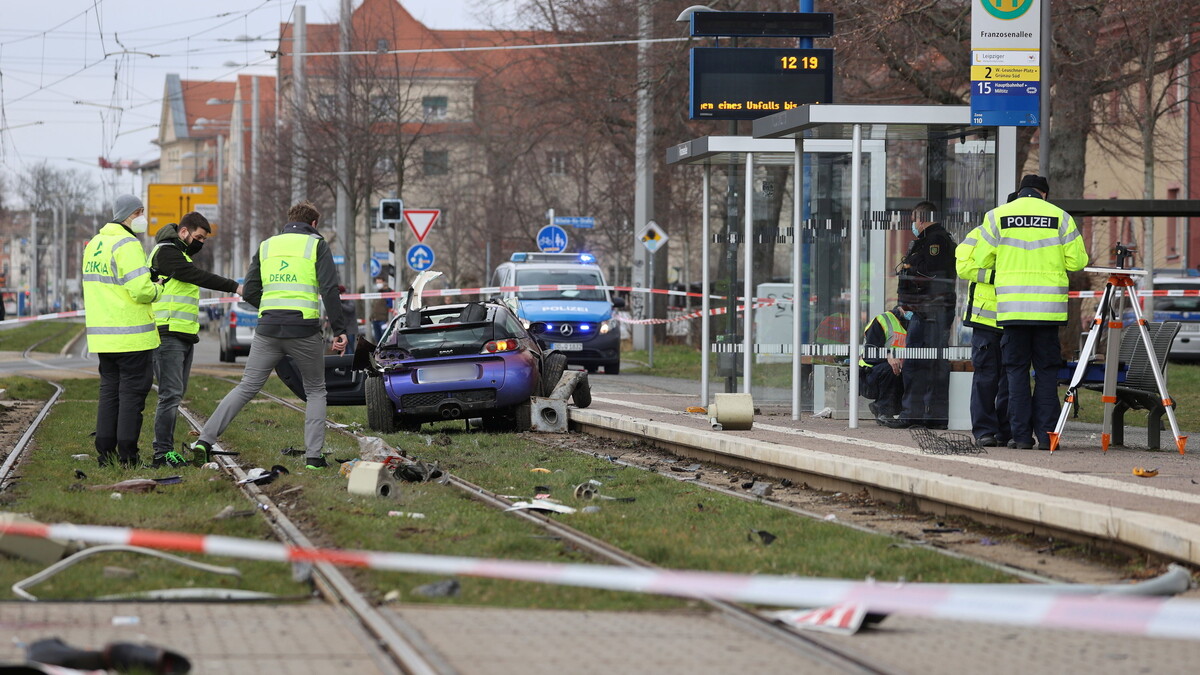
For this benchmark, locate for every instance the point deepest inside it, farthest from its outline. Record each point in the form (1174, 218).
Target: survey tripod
(1119, 286)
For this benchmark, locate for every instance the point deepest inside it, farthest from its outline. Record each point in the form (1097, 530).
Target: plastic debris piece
(761, 489)
(211, 465)
(347, 467)
(169, 480)
(446, 588)
(260, 476)
(824, 412)
(765, 537)
(406, 514)
(79, 475)
(1144, 473)
(418, 471)
(289, 451)
(591, 509)
(539, 470)
(831, 516)
(126, 620)
(843, 619)
(81, 457)
(585, 491)
(230, 512)
(540, 505)
(392, 596)
(116, 495)
(697, 409)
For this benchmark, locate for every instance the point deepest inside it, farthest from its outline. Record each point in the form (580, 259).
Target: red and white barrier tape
(1016, 604)
(695, 315)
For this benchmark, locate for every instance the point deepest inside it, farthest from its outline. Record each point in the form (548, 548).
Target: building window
(435, 107)
(436, 162)
(557, 163)
(381, 45)
(385, 165)
(380, 107)
(326, 106)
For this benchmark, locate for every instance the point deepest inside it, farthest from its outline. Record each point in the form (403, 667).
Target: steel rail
(10, 462)
(810, 646)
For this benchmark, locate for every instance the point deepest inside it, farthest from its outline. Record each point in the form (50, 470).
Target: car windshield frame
(1186, 303)
(560, 276)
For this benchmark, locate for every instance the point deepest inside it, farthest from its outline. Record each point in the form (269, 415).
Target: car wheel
(381, 414)
(521, 417)
(593, 369)
(225, 356)
(582, 396)
(497, 423)
(552, 371)
(613, 368)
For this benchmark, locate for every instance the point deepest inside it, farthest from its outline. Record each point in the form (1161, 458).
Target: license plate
(450, 373)
(567, 346)
(1189, 328)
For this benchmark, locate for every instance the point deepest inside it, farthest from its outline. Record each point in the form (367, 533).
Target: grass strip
(56, 333)
(26, 388)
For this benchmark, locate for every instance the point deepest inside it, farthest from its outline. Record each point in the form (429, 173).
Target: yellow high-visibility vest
(981, 293)
(179, 306)
(117, 293)
(288, 268)
(894, 333)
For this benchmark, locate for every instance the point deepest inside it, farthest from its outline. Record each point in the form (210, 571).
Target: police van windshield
(1187, 303)
(561, 277)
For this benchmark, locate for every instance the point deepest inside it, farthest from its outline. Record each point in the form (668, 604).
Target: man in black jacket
(926, 286)
(310, 277)
(177, 314)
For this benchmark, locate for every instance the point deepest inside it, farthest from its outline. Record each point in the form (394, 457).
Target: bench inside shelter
(1138, 390)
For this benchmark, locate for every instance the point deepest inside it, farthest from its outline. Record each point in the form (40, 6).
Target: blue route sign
(376, 267)
(552, 239)
(580, 222)
(339, 260)
(420, 257)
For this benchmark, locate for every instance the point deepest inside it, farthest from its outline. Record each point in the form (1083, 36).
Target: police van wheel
(226, 357)
(612, 368)
(381, 415)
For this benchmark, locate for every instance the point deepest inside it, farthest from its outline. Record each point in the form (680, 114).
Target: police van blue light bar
(528, 257)
(587, 258)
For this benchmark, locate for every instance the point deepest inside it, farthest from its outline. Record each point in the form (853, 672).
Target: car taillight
(500, 346)
(233, 319)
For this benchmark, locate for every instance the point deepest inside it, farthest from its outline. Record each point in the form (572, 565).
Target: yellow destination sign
(1006, 73)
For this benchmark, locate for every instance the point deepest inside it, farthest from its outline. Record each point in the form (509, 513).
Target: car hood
(565, 310)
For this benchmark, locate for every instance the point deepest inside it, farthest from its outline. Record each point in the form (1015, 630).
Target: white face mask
(379, 285)
(139, 224)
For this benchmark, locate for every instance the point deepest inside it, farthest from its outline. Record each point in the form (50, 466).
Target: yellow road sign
(168, 202)
(1006, 73)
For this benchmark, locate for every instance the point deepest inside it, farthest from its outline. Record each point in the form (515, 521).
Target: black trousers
(927, 380)
(125, 379)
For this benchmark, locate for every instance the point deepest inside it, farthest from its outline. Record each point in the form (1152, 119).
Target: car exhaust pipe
(450, 412)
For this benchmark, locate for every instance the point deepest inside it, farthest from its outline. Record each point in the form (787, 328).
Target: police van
(1184, 308)
(579, 321)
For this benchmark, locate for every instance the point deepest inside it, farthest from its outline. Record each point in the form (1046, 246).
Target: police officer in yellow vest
(882, 374)
(117, 296)
(288, 278)
(989, 384)
(177, 314)
(1031, 244)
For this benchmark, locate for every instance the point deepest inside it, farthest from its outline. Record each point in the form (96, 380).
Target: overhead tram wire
(497, 48)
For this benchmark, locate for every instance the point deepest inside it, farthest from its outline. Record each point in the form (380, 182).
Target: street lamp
(686, 15)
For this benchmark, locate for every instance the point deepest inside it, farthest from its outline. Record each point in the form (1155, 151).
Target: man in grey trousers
(289, 276)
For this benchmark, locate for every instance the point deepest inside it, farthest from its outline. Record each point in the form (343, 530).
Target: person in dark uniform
(882, 375)
(927, 277)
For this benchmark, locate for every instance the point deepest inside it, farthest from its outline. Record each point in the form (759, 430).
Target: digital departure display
(745, 84)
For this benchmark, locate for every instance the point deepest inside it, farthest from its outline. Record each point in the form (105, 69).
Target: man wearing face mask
(117, 296)
(926, 286)
(177, 314)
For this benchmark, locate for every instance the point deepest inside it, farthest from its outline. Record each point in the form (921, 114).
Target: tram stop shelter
(859, 171)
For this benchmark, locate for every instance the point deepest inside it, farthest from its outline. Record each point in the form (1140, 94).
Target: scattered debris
(591, 509)
(114, 572)
(346, 467)
(120, 657)
(291, 490)
(540, 505)
(539, 470)
(260, 476)
(81, 457)
(212, 466)
(941, 530)
(786, 482)
(442, 439)
(1144, 473)
(824, 412)
(830, 517)
(392, 596)
(116, 495)
(418, 471)
(843, 619)
(696, 409)
(131, 485)
(79, 475)
(126, 620)
(290, 451)
(687, 469)
(406, 514)
(229, 512)
(761, 489)
(585, 491)
(765, 537)
(987, 541)
(946, 444)
(446, 588)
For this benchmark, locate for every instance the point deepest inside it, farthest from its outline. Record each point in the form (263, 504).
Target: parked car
(1183, 308)
(237, 333)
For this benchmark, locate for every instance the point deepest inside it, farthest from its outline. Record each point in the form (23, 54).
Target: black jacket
(929, 279)
(169, 261)
(289, 323)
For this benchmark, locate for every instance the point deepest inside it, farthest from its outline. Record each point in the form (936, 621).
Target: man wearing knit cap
(1031, 244)
(117, 296)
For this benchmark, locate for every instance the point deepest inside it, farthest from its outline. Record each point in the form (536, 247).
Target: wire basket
(948, 443)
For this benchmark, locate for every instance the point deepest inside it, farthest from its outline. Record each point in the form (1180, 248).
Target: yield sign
(421, 220)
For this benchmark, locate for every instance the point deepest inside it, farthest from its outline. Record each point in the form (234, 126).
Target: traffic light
(391, 211)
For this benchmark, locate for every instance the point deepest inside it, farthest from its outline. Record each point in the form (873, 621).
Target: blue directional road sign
(376, 267)
(580, 222)
(552, 239)
(419, 257)
(339, 260)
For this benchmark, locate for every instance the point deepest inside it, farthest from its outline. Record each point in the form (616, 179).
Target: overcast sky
(54, 69)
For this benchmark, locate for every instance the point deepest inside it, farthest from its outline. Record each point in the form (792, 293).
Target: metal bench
(1139, 391)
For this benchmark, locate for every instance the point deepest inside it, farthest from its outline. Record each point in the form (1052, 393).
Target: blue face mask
(916, 232)
(908, 315)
